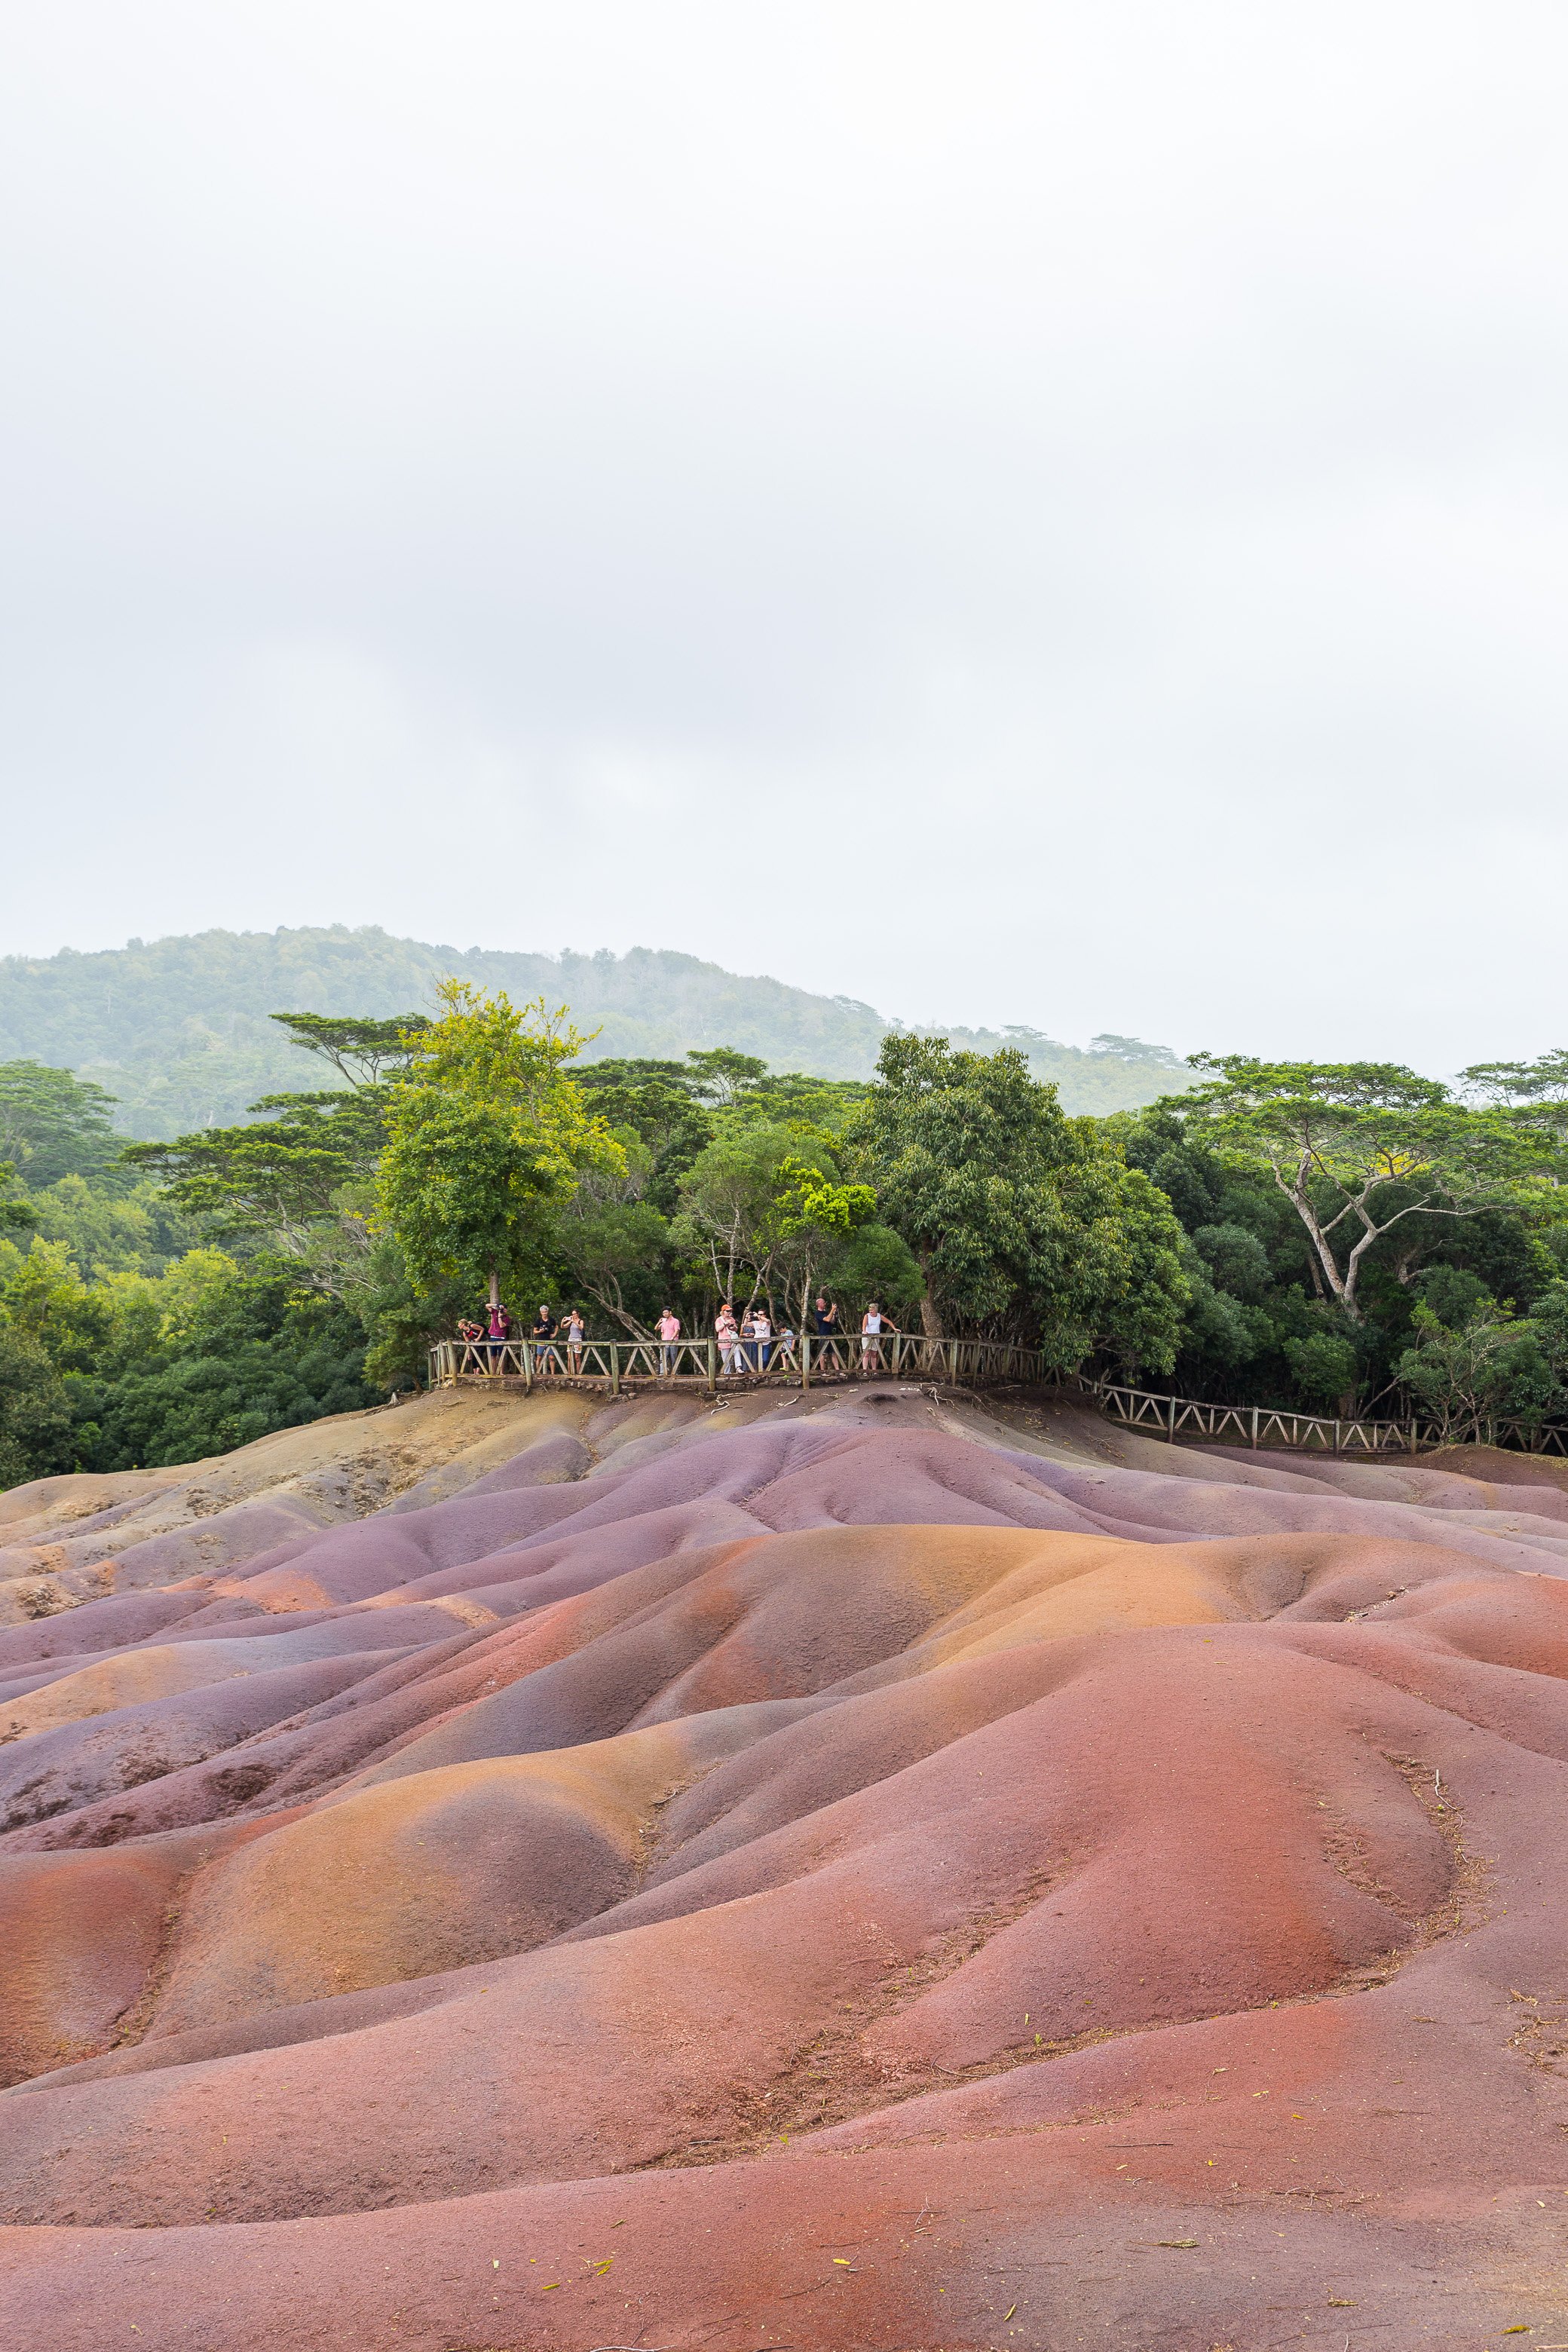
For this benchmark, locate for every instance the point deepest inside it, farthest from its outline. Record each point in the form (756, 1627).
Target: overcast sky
(1050, 514)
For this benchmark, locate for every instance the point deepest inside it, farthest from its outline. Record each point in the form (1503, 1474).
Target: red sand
(856, 1876)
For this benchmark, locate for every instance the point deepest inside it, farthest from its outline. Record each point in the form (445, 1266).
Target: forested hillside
(177, 1030)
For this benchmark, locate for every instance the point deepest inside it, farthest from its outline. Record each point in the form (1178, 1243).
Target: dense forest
(1350, 1238)
(178, 1031)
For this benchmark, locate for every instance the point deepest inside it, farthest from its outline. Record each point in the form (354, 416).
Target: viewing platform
(617, 1366)
(622, 1367)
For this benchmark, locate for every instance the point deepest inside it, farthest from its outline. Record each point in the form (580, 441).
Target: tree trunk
(495, 1290)
(930, 1321)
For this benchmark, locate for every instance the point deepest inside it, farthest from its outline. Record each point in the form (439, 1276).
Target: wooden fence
(615, 1366)
(1271, 1426)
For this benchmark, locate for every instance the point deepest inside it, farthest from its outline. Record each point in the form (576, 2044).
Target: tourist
(572, 1332)
(873, 1324)
(669, 1330)
(785, 1351)
(826, 1325)
(748, 1339)
(727, 1332)
(544, 1356)
(761, 1336)
(497, 1331)
(470, 1335)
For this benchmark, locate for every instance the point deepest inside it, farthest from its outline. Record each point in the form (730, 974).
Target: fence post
(1171, 1418)
(805, 1356)
(528, 1367)
(953, 1363)
(615, 1368)
(714, 1368)
(1255, 1429)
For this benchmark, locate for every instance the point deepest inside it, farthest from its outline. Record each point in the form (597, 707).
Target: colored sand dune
(819, 1872)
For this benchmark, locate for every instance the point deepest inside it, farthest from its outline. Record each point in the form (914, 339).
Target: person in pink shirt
(727, 1331)
(669, 1330)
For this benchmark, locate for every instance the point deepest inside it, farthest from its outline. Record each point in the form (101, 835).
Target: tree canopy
(487, 1133)
(1022, 1222)
(53, 1123)
(360, 1051)
(1360, 1148)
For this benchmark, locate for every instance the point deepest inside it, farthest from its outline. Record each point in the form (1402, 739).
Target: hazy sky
(1048, 513)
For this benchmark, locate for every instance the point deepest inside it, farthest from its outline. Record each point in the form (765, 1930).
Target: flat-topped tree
(720, 1075)
(360, 1050)
(1360, 1148)
(277, 1181)
(1544, 1080)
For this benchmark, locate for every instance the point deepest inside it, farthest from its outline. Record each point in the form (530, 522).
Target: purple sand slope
(825, 1873)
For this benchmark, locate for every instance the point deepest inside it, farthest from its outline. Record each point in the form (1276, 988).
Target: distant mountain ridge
(177, 1028)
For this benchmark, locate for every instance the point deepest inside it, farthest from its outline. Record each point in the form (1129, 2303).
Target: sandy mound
(824, 1873)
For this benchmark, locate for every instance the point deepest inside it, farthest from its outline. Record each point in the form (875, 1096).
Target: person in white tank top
(873, 1324)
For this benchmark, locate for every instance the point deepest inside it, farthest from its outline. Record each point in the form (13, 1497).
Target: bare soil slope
(817, 1872)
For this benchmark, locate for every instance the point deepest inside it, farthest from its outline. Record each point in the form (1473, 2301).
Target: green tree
(276, 1180)
(1359, 1148)
(727, 1222)
(228, 1353)
(16, 1213)
(1024, 1223)
(35, 1410)
(1327, 1369)
(487, 1135)
(614, 1243)
(1480, 1364)
(720, 1075)
(658, 1103)
(1544, 1080)
(362, 1051)
(53, 1123)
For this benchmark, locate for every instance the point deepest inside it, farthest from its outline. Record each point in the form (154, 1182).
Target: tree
(728, 1207)
(1482, 1364)
(362, 1051)
(1541, 1081)
(1025, 1224)
(487, 1135)
(767, 1210)
(658, 1103)
(720, 1074)
(613, 1240)
(15, 1214)
(35, 1410)
(279, 1180)
(53, 1123)
(210, 1358)
(1359, 1147)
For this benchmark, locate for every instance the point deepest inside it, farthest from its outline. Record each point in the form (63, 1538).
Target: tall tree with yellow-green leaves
(488, 1134)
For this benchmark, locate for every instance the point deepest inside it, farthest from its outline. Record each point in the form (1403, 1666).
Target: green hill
(177, 1030)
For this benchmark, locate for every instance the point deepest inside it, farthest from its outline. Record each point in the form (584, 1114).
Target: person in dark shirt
(828, 1327)
(544, 1356)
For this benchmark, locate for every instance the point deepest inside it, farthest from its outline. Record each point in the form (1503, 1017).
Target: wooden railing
(1272, 1426)
(613, 1365)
